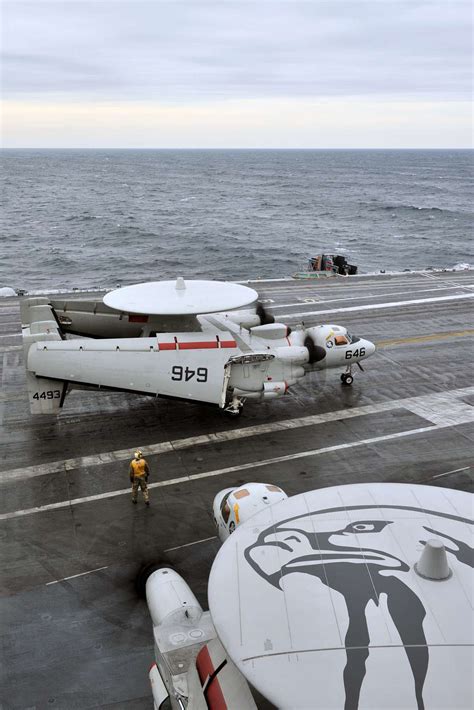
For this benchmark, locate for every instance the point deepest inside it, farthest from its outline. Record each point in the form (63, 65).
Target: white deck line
(73, 576)
(448, 473)
(189, 544)
(222, 471)
(374, 274)
(319, 300)
(424, 405)
(348, 283)
(380, 306)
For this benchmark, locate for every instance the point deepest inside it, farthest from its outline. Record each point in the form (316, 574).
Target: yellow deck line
(425, 338)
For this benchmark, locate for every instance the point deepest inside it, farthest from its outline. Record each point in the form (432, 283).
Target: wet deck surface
(75, 633)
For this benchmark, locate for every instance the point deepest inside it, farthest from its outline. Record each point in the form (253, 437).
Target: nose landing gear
(347, 377)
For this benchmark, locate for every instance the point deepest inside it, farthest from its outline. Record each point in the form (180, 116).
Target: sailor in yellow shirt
(139, 473)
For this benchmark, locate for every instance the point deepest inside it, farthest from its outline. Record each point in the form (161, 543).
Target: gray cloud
(192, 50)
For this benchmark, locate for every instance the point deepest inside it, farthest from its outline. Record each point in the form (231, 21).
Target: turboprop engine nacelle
(191, 665)
(266, 375)
(293, 354)
(169, 597)
(270, 390)
(244, 318)
(255, 316)
(271, 331)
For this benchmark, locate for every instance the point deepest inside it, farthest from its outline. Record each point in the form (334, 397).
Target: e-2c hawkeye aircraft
(356, 596)
(204, 341)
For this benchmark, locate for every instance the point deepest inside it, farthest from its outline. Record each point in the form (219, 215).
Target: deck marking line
(379, 306)
(413, 404)
(188, 544)
(229, 469)
(73, 576)
(322, 301)
(312, 452)
(456, 470)
(425, 338)
(292, 285)
(361, 279)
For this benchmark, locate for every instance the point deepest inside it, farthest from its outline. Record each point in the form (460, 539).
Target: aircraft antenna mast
(433, 563)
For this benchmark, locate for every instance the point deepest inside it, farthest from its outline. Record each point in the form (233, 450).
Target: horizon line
(4, 148)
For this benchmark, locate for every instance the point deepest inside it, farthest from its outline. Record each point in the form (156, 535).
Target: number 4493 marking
(48, 394)
(358, 352)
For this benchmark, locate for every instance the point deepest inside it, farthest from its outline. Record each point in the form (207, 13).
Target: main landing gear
(234, 408)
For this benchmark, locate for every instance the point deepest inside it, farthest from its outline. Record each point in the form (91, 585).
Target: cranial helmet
(138, 454)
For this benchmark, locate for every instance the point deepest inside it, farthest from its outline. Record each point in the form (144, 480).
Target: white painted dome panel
(317, 600)
(171, 298)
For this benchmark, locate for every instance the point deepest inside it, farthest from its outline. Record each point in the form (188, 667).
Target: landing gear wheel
(348, 380)
(233, 412)
(343, 378)
(234, 409)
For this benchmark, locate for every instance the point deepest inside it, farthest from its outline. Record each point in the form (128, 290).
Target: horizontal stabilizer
(26, 304)
(45, 395)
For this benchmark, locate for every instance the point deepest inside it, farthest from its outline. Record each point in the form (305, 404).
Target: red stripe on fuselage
(167, 346)
(198, 345)
(213, 693)
(228, 344)
(204, 665)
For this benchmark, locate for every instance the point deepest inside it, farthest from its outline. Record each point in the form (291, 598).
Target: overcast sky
(275, 73)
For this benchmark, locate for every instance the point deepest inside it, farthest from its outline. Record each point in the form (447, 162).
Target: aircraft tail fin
(39, 324)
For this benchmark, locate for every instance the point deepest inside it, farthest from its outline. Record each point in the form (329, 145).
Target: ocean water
(76, 218)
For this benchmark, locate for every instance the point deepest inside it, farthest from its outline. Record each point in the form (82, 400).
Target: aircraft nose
(369, 348)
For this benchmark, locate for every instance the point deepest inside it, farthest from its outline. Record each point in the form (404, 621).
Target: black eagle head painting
(358, 559)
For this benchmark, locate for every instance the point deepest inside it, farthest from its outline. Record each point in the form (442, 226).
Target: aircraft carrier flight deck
(76, 634)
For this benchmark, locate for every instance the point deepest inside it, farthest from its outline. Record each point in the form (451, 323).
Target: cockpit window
(353, 338)
(272, 488)
(225, 512)
(225, 508)
(340, 340)
(243, 493)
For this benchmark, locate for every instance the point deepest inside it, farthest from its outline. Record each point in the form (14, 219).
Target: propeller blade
(360, 367)
(265, 318)
(316, 352)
